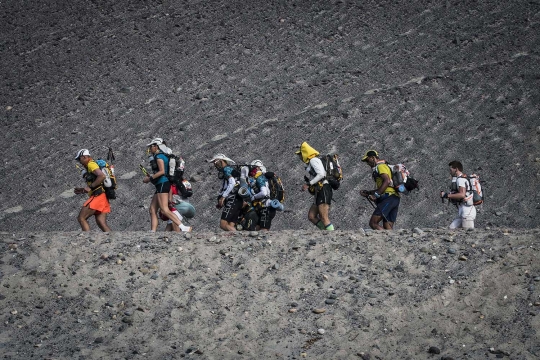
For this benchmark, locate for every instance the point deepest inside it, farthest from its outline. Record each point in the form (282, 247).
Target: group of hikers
(250, 196)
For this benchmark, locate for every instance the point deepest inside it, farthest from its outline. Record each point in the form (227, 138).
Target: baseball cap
(82, 152)
(156, 141)
(370, 153)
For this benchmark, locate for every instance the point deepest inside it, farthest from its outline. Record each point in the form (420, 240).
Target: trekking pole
(110, 157)
(376, 207)
(143, 169)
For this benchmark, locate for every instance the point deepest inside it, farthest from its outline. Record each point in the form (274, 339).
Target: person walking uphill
(317, 185)
(160, 167)
(228, 199)
(386, 198)
(97, 204)
(460, 195)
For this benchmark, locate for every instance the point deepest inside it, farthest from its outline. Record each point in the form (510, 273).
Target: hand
(78, 190)
(364, 193)
(146, 179)
(87, 189)
(444, 195)
(305, 187)
(221, 202)
(372, 197)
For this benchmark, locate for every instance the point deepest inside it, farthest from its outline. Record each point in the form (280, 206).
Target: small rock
(537, 278)
(451, 250)
(119, 262)
(463, 258)
(424, 249)
(319, 311)
(188, 236)
(434, 350)
(293, 310)
(498, 213)
(154, 276)
(418, 231)
(98, 340)
(276, 267)
(320, 331)
(253, 233)
(14, 312)
(332, 296)
(330, 301)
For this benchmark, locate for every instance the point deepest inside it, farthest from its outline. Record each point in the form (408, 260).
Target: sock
(320, 225)
(329, 227)
(184, 227)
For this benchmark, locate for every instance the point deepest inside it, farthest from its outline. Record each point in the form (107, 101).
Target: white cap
(82, 152)
(156, 141)
(220, 157)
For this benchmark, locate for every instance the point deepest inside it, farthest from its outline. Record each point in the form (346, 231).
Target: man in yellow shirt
(386, 198)
(97, 204)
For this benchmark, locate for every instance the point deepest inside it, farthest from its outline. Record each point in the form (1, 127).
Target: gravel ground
(409, 294)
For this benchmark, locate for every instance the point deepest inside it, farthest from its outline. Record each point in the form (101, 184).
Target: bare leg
(163, 203)
(227, 226)
(324, 210)
(101, 221)
(84, 214)
(153, 213)
(374, 222)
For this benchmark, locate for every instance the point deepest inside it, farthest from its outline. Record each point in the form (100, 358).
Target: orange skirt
(99, 203)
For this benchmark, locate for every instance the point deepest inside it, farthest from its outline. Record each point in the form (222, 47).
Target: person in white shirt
(317, 185)
(460, 195)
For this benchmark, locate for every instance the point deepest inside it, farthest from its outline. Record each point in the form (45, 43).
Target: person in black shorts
(317, 185)
(160, 167)
(229, 201)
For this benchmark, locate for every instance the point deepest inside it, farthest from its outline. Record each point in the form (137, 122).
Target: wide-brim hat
(220, 157)
(370, 153)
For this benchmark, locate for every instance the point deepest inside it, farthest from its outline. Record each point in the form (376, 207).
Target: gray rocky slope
(423, 82)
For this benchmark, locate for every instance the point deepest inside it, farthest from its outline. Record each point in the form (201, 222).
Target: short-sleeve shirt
(384, 169)
(91, 167)
(165, 159)
(464, 183)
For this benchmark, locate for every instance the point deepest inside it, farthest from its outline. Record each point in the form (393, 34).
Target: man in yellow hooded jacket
(317, 184)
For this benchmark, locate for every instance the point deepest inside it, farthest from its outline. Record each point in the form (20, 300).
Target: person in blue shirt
(160, 168)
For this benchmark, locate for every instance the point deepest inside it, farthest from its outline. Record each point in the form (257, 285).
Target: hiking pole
(110, 156)
(376, 207)
(143, 169)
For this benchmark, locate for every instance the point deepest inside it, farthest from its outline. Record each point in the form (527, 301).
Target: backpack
(401, 180)
(334, 173)
(277, 191)
(109, 184)
(476, 188)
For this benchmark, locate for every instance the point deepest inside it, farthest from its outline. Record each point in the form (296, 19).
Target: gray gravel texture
(135, 295)
(423, 82)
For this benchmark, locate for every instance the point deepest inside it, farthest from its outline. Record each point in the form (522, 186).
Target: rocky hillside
(424, 83)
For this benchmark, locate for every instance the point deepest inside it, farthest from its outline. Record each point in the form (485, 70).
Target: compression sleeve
(317, 165)
(231, 182)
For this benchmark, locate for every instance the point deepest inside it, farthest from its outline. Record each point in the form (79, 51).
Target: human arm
(317, 166)
(100, 176)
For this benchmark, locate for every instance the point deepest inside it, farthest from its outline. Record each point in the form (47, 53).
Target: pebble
(119, 261)
(330, 301)
(154, 276)
(14, 312)
(293, 310)
(321, 331)
(188, 236)
(276, 266)
(434, 350)
(537, 278)
(451, 250)
(498, 213)
(253, 233)
(319, 311)
(424, 249)
(332, 296)
(418, 231)
(463, 258)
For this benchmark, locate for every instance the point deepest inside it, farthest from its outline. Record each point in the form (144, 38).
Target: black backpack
(277, 191)
(334, 173)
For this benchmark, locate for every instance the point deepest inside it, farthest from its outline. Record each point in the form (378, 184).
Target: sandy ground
(409, 294)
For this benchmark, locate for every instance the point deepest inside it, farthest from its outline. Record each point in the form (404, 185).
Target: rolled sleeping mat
(185, 209)
(244, 192)
(277, 205)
